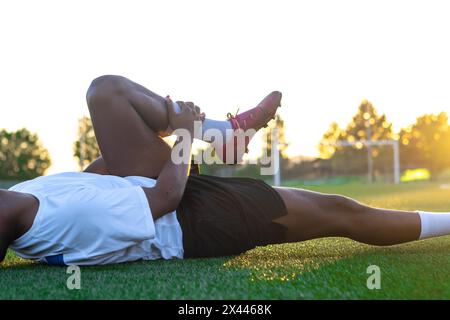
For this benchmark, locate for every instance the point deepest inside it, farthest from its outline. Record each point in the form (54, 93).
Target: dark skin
(129, 121)
(171, 181)
(18, 210)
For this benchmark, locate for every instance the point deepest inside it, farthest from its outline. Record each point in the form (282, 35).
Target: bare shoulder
(4, 239)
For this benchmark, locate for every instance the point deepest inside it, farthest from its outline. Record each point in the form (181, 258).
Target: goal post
(276, 159)
(370, 143)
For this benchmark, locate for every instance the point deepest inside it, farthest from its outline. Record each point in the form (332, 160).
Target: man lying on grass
(135, 203)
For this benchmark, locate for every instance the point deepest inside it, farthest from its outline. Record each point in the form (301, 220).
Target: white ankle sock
(222, 126)
(434, 224)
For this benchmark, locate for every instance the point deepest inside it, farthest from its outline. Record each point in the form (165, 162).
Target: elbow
(173, 199)
(162, 201)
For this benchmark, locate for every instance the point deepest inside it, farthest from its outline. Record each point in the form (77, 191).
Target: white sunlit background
(325, 56)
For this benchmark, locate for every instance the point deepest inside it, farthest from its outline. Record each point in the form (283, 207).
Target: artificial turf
(320, 269)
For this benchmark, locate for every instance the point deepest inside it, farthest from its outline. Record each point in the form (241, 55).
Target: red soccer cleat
(245, 126)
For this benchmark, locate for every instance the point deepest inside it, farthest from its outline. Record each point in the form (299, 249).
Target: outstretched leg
(314, 215)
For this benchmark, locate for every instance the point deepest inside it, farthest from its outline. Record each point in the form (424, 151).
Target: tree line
(22, 155)
(423, 144)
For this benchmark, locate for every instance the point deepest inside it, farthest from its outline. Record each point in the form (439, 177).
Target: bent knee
(104, 87)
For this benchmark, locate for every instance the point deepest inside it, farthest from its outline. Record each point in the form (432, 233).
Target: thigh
(127, 144)
(310, 215)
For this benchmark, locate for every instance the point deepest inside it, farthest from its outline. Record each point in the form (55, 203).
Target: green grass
(320, 269)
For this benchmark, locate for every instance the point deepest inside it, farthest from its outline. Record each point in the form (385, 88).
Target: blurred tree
(426, 143)
(278, 124)
(22, 156)
(366, 124)
(85, 148)
(327, 146)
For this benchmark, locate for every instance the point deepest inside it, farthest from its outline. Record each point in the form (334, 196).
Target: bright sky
(325, 56)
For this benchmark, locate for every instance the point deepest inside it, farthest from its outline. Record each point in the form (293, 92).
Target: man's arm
(165, 196)
(168, 191)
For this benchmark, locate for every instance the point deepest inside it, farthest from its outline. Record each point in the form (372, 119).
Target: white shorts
(92, 219)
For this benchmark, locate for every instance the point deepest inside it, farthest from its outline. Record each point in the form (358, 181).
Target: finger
(190, 105)
(182, 105)
(170, 107)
